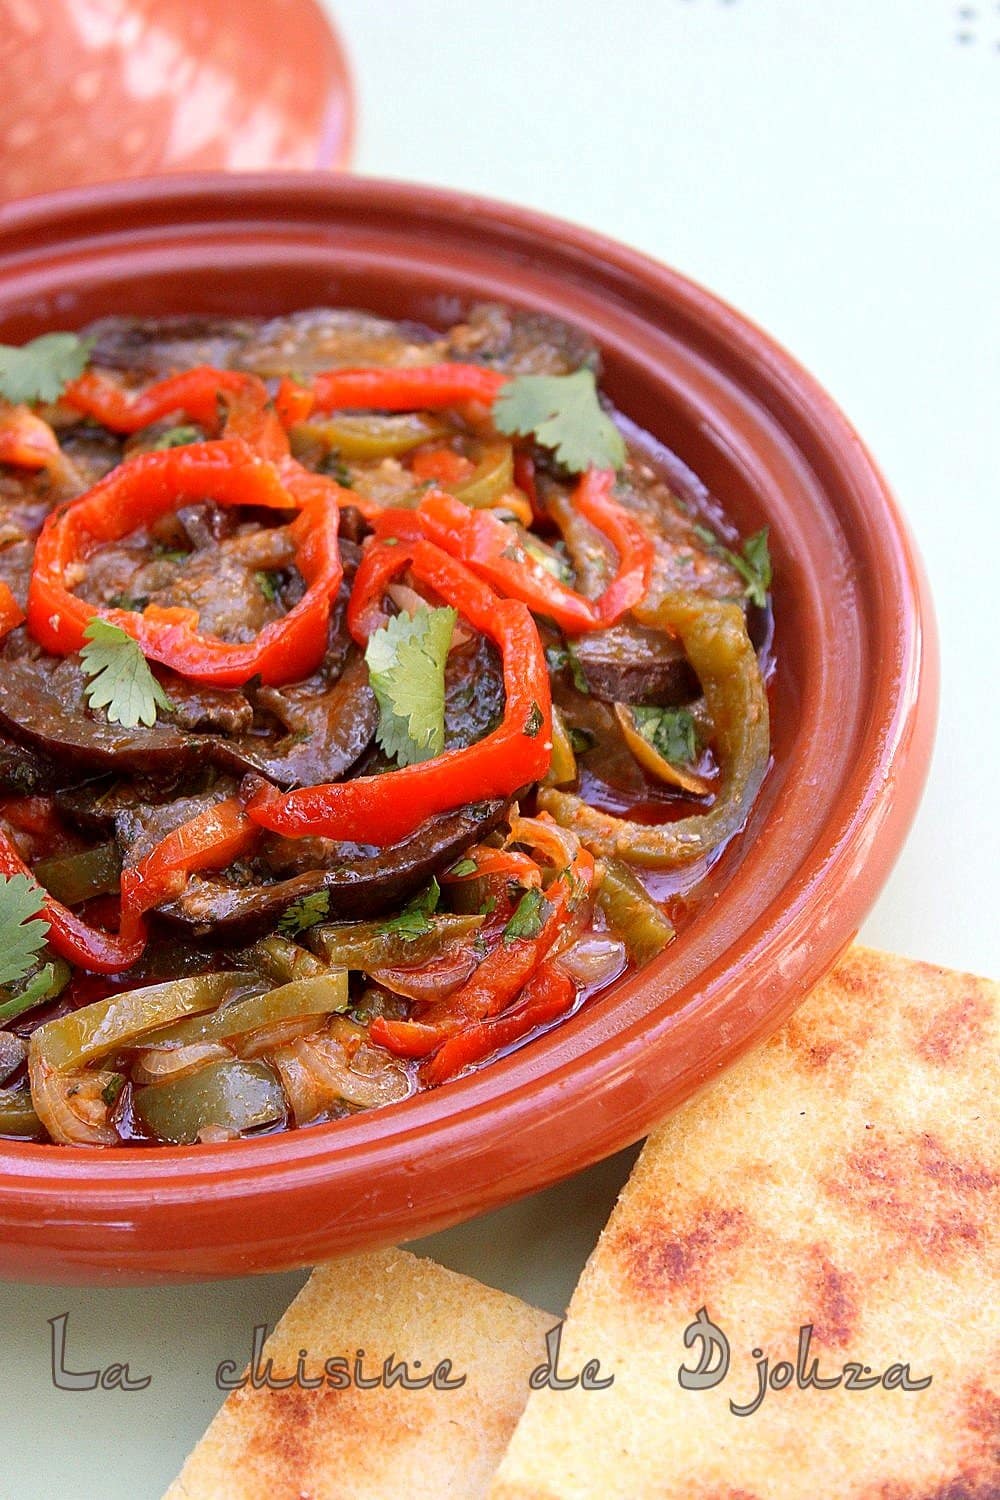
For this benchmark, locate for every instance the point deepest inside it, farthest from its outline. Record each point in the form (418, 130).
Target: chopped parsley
(558, 657)
(41, 369)
(415, 918)
(307, 912)
(561, 412)
(120, 678)
(581, 740)
(752, 562)
(177, 437)
(529, 917)
(406, 661)
(534, 721)
(670, 731)
(334, 468)
(464, 867)
(268, 583)
(112, 1089)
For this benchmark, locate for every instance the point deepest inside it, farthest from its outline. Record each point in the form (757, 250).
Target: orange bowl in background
(99, 89)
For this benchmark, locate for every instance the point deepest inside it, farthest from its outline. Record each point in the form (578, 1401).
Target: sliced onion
(594, 960)
(434, 981)
(317, 1074)
(70, 1104)
(157, 1064)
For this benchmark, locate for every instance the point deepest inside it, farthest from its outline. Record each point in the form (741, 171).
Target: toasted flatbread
(376, 1444)
(843, 1176)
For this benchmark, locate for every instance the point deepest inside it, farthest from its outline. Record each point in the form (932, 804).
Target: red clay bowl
(854, 710)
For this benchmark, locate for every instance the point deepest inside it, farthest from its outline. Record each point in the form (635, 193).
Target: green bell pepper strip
(17, 1114)
(631, 912)
(84, 1035)
(321, 995)
(231, 1094)
(49, 982)
(714, 636)
(282, 960)
(368, 437)
(75, 878)
(376, 945)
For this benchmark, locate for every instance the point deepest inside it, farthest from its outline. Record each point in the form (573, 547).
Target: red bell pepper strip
(381, 810)
(507, 969)
(548, 994)
(26, 441)
(193, 392)
(209, 841)
(593, 499)
(506, 863)
(524, 478)
(406, 388)
(11, 613)
(493, 550)
(154, 484)
(72, 938)
(293, 403)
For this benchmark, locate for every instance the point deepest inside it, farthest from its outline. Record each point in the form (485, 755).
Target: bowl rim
(535, 1128)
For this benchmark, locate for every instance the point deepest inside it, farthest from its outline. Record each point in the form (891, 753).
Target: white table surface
(834, 171)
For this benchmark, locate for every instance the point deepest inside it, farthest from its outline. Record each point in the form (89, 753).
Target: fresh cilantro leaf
(120, 679)
(563, 413)
(23, 928)
(415, 918)
(529, 917)
(41, 370)
(406, 661)
(464, 867)
(534, 721)
(670, 731)
(752, 562)
(268, 585)
(307, 912)
(178, 437)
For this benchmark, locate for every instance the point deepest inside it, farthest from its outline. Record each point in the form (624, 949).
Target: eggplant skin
(53, 724)
(364, 882)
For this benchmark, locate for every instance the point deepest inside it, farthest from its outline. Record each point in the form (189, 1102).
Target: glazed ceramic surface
(99, 89)
(853, 710)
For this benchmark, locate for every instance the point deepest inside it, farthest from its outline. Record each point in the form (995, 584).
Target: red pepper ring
(73, 939)
(152, 485)
(381, 810)
(492, 548)
(593, 499)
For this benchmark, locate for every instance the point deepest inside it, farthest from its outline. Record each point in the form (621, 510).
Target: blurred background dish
(98, 89)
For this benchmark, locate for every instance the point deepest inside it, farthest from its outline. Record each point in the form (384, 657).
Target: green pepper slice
(631, 912)
(322, 995)
(95, 1030)
(714, 636)
(231, 1095)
